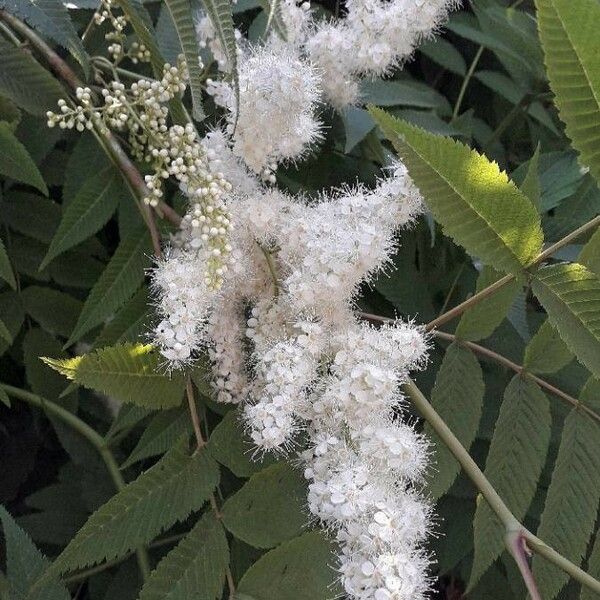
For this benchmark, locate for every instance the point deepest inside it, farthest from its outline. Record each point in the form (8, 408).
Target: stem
(516, 544)
(481, 350)
(89, 434)
(512, 526)
(200, 443)
(510, 116)
(549, 251)
(465, 83)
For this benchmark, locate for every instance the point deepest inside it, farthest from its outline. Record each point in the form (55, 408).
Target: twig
(516, 544)
(200, 443)
(483, 351)
(92, 436)
(514, 529)
(488, 291)
(466, 80)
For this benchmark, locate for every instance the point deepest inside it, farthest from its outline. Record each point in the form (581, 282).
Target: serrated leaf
(5, 333)
(129, 372)
(25, 563)
(162, 431)
(569, 33)
(12, 315)
(221, 17)
(458, 398)
(546, 352)
(181, 13)
(570, 293)
(445, 54)
(4, 398)
(481, 319)
(590, 254)
(531, 185)
(229, 445)
(25, 82)
(15, 161)
(55, 311)
(31, 215)
(129, 323)
(414, 94)
(571, 505)
(593, 569)
(120, 279)
(87, 213)
(161, 496)
(269, 509)
(51, 18)
(514, 464)
(296, 570)
(128, 416)
(474, 201)
(194, 569)
(166, 36)
(6, 272)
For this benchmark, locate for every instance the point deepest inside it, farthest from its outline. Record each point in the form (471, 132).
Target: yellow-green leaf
(474, 201)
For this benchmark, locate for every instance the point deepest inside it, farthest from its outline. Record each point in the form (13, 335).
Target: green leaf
(570, 293)
(221, 16)
(163, 430)
(195, 569)
(481, 319)
(129, 323)
(128, 416)
(88, 212)
(590, 254)
(457, 396)
(6, 272)
(546, 352)
(531, 185)
(571, 504)
(51, 18)
(120, 279)
(181, 13)
(166, 36)
(474, 201)
(414, 94)
(55, 311)
(5, 333)
(297, 570)
(269, 509)
(514, 464)
(593, 569)
(4, 398)
(31, 215)
(229, 444)
(15, 161)
(25, 563)
(130, 373)
(357, 124)
(164, 494)
(25, 82)
(445, 54)
(12, 315)
(569, 33)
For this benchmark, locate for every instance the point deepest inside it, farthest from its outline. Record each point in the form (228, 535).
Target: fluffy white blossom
(275, 120)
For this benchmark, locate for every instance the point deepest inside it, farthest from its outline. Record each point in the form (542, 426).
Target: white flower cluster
(173, 151)
(282, 81)
(286, 344)
(275, 121)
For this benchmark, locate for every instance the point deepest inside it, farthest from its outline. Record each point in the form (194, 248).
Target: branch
(514, 530)
(200, 443)
(91, 436)
(461, 308)
(442, 335)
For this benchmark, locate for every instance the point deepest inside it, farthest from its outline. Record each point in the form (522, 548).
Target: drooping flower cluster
(265, 283)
